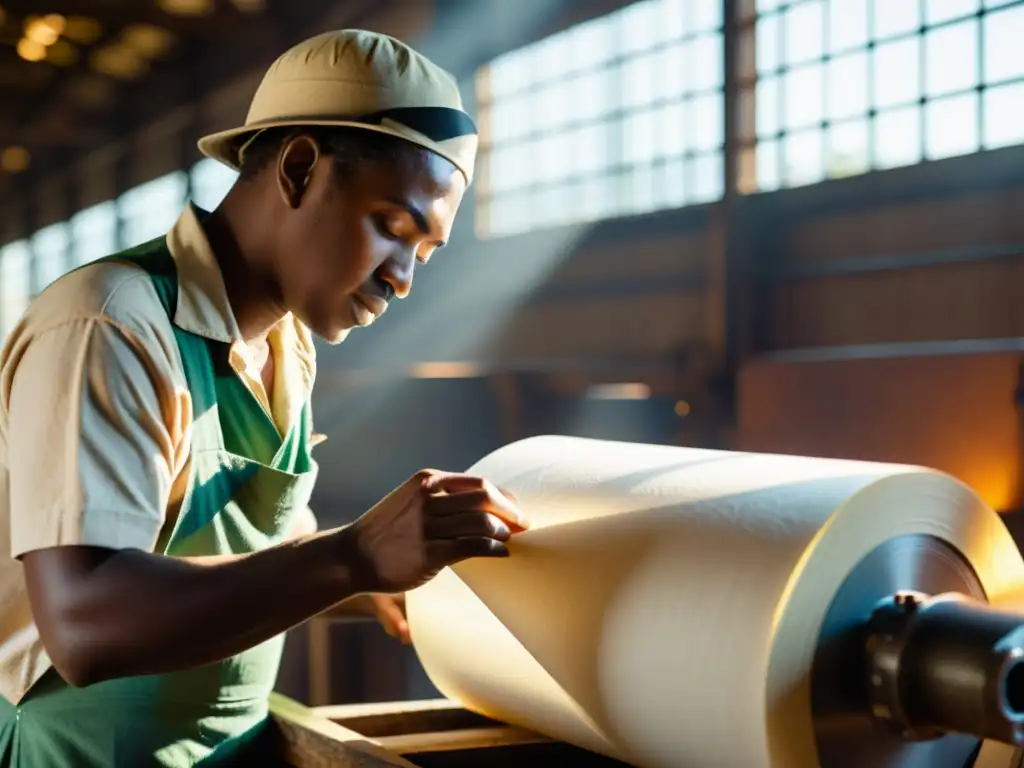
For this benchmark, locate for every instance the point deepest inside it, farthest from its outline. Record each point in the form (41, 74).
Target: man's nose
(397, 273)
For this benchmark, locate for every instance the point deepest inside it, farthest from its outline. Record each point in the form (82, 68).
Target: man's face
(351, 244)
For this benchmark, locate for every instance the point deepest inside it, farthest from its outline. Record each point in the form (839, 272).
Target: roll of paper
(665, 605)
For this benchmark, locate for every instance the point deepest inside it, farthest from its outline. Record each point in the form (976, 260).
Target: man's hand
(433, 520)
(390, 611)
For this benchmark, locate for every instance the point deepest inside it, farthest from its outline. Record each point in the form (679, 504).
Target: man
(155, 431)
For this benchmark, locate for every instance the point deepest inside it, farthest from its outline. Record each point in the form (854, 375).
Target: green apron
(247, 483)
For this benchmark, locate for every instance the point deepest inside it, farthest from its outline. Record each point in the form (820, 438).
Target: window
(150, 210)
(94, 233)
(50, 247)
(15, 284)
(617, 116)
(847, 86)
(211, 181)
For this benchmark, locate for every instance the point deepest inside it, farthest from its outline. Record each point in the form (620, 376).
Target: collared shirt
(95, 417)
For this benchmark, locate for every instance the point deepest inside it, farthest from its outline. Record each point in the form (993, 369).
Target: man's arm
(106, 614)
(96, 433)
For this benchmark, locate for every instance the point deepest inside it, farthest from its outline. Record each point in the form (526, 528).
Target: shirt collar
(203, 307)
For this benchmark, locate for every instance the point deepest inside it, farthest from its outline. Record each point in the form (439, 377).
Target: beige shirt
(95, 417)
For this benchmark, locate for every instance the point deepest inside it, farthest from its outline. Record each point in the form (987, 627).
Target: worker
(156, 438)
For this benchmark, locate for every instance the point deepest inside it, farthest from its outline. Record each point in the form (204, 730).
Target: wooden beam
(121, 15)
(305, 740)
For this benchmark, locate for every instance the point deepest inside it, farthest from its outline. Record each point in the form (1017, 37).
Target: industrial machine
(914, 669)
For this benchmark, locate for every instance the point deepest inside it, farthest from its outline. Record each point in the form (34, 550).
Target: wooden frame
(413, 734)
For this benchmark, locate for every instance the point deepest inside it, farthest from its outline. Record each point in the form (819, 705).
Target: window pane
(847, 24)
(592, 43)
(640, 143)
(673, 175)
(604, 129)
(848, 149)
(638, 78)
(767, 44)
(593, 96)
(211, 181)
(951, 126)
(705, 15)
(638, 189)
(553, 107)
(637, 26)
(50, 247)
(672, 129)
(847, 85)
(15, 284)
(151, 209)
(554, 158)
(1004, 33)
(94, 233)
(672, 20)
(672, 71)
(593, 148)
(897, 72)
(897, 137)
(707, 120)
(597, 198)
(1004, 106)
(804, 96)
(706, 61)
(803, 154)
(895, 18)
(951, 56)
(767, 106)
(510, 73)
(768, 166)
(804, 27)
(707, 178)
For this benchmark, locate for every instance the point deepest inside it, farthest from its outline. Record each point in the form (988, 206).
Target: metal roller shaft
(945, 664)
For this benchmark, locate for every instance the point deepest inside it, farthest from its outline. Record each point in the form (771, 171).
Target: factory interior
(760, 226)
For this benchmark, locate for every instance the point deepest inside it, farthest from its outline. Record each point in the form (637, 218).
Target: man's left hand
(390, 612)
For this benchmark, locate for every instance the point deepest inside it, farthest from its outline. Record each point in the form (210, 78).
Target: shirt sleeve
(95, 437)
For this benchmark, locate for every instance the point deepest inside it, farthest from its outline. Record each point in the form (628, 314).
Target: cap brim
(219, 146)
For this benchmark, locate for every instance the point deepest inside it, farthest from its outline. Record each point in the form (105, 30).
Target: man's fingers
(484, 497)
(445, 552)
(459, 524)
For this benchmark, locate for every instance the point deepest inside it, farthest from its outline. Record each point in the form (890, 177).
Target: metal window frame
(617, 171)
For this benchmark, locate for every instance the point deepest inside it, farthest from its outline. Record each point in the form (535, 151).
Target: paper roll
(665, 605)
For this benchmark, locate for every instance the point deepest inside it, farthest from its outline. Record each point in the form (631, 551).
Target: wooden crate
(417, 734)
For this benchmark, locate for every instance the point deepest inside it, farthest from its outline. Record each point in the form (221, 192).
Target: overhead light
(3, 15)
(626, 391)
(44, 29)
(186, 7)
(30, 50)
(82, 30)
(14, 159)
(118, 61)
(148, 40)
(62, 54)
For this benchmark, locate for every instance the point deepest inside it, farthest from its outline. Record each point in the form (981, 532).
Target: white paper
(665, 605)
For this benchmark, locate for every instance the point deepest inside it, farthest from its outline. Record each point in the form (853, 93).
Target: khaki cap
(352, 77)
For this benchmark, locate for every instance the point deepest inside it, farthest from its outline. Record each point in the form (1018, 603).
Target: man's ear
(295, 166)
